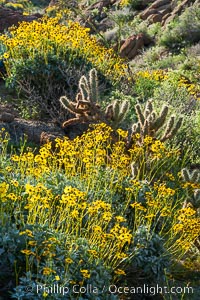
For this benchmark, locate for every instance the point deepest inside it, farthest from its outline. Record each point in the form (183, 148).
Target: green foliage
(40, 3)
(184, 30)
(45, 66)
(42, 84)
(133, 4)
(21, 5)
(10, 257)
(182, 104)
(171, 61)
(136, 4)
(63, 269)
(139, 26)
(154, 30)
(68, 233)
(174, 95)
(144, 88)
(187, 138)
(150, 259)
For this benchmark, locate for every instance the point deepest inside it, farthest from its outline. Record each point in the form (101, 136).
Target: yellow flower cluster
(193, 89)
(164, 191)
(187, 227)
(26, 232)
(120, 272)
(191, 185)
(124, 2)
(48, 37)
(122, 234)
(158, 75)
(3, 190)
(48, 271)
(85, 208)
(85, 273)
(162, 75)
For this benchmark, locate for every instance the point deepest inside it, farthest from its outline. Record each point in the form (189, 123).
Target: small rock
(9, 17)
(6, 117)
(165, 9)
(118, 45)
(144, 15)
(164, 18)
(131, 46)
(159, 3)
(105, 24)
(155, 18)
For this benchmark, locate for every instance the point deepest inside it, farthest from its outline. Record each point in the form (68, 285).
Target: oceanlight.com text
(75, 289)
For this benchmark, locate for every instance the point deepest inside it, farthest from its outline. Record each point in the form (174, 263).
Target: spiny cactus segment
(192, 178)
(86, 107)
(149, 124)
(116, 112)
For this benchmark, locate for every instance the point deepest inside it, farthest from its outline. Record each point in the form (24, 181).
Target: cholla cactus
(116, 112)
(86, 107)
(193, 180)
(192, 177)
(149, 124)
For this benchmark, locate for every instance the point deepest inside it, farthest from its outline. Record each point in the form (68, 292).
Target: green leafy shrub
(151, 258)
(45, 59)
(184, 30)
(188, 138)
(158, 61)
(146, 82)
(144, 88)
(40, 3)
(183, 104)
(10, 258)
(174, 95)
(71, 265)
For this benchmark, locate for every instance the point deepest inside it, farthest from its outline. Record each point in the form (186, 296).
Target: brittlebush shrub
(85, 214)
(45, 59)
(148, 83)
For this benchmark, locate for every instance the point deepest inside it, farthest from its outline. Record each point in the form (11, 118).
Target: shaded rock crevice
(9, 17)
